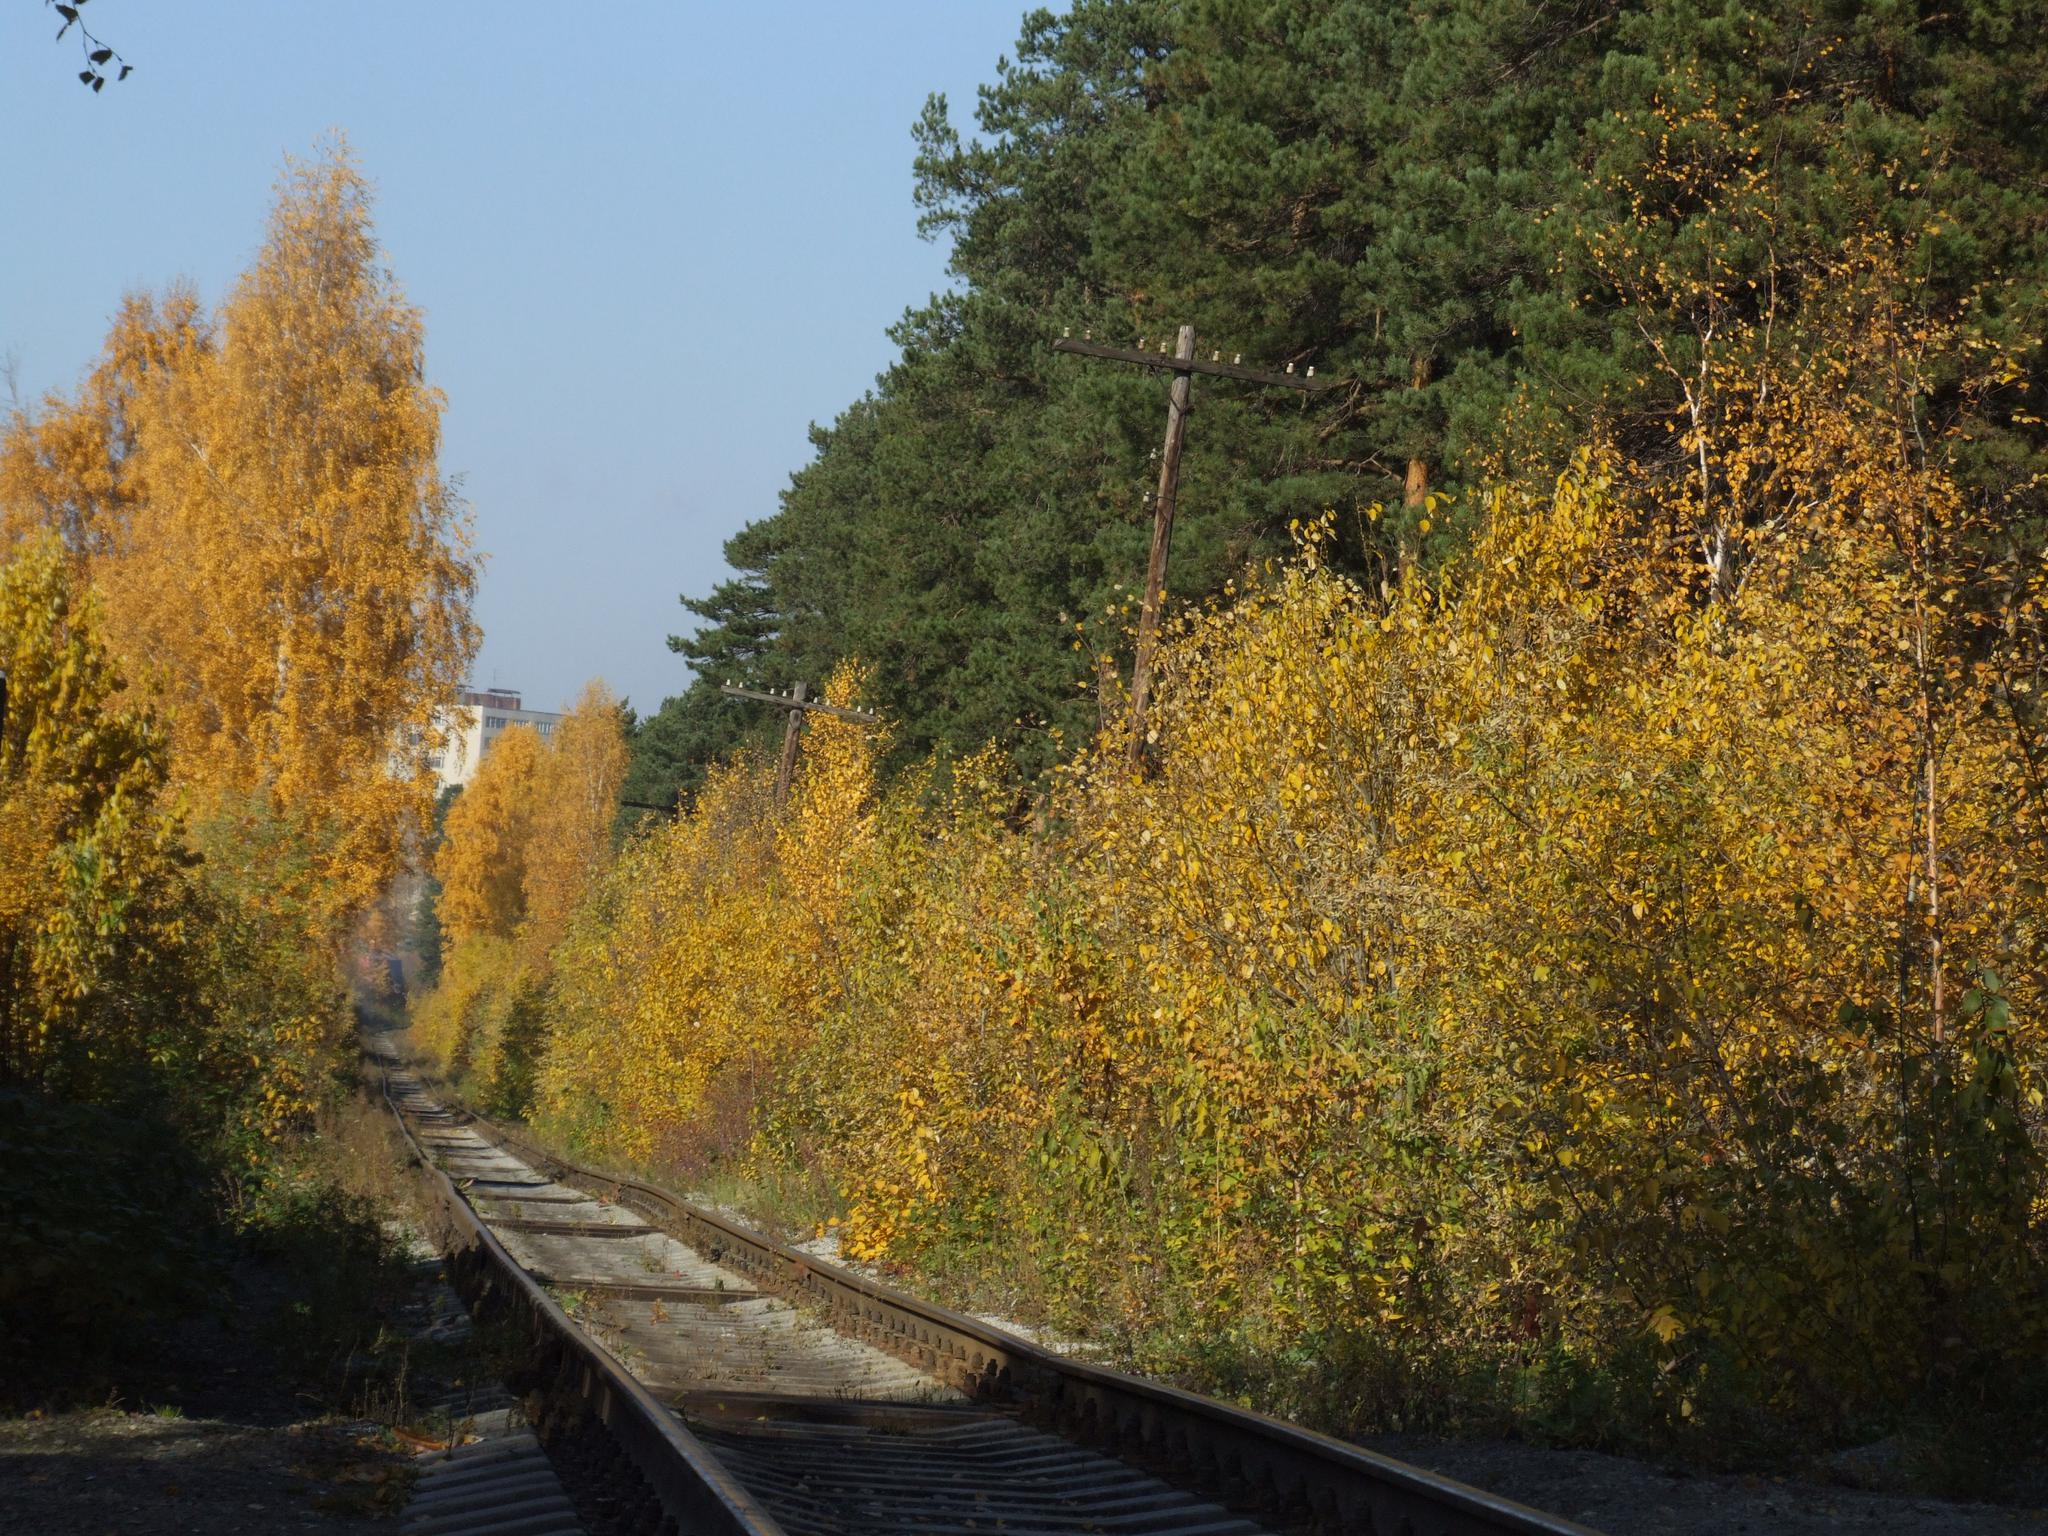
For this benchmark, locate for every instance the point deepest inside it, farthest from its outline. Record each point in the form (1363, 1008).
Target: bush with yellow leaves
(1594, 984)
(523, 843)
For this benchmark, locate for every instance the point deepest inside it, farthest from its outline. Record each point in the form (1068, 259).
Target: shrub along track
(731, 1384)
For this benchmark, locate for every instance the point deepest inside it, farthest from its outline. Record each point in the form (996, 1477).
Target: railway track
(729, 1384)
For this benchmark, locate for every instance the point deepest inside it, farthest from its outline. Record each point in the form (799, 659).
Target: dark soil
(106, 1470)
(267, 1389)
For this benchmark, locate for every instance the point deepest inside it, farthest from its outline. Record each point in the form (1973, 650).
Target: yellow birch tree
(258, 499)
(575, 800)
(482, 861)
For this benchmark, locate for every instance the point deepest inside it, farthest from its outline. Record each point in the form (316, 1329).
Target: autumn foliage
(522, 845)
(233, 589)
(1596, 983)
(255, 496)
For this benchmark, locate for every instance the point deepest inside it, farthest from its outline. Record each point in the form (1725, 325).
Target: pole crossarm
(1183, 365)
(785, 701)
(1308, 383)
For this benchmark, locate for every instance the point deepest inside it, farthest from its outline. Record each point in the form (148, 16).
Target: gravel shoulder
(1622, 1495)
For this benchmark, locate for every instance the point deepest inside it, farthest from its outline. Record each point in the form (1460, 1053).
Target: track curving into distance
(948, 1431)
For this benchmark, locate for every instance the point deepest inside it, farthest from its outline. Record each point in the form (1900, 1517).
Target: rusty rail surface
(576, 1380)
(1248, 1460)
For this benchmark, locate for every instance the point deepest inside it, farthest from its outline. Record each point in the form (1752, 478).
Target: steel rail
(692, 1487)
(1247, 1459)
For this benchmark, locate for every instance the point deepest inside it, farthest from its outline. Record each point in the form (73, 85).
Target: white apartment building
(473, 725)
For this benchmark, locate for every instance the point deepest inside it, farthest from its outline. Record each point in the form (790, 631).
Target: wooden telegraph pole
(798, 706)
(1183, 365)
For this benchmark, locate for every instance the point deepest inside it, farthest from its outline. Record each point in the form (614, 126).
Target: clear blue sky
(653, 243)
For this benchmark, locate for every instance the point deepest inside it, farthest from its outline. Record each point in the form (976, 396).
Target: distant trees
(576, 800)
(481, 864)
(1425, 200)
(523, 843)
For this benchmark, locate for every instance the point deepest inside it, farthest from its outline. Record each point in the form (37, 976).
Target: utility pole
(797, 706)
(1183, 365)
